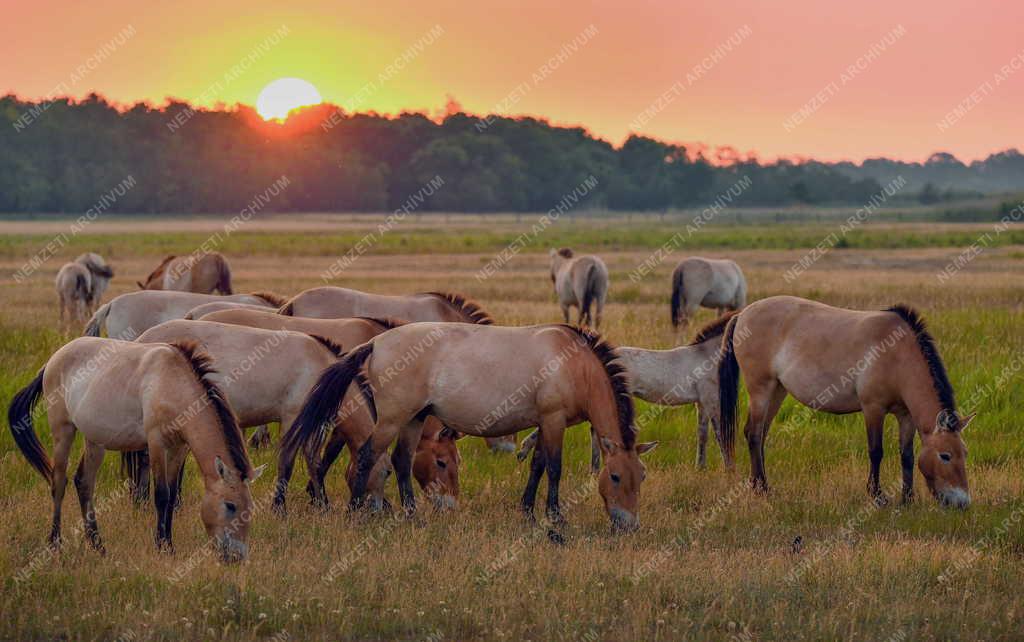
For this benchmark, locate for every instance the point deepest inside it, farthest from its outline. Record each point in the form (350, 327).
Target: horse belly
(834, 395)
(112, 422)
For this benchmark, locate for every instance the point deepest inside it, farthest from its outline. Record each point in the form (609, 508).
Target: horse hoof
(278, 507)
(555, 537)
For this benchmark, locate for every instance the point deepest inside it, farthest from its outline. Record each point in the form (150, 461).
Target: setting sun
(285, 94)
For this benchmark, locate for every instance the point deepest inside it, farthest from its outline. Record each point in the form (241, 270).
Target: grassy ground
(710, 561)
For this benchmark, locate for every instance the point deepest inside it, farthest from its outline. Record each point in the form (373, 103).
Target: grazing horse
(275, 389)
(203, 274)
(74, 291)
(201, 311)
(101, 275)
(131, 314)
(579, 281)
(710, 283)
(687, 374)
(842, 361)
(488, 381)
(127, 396)
(330, 302)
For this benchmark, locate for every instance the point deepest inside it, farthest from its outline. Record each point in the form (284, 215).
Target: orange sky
(492, 54)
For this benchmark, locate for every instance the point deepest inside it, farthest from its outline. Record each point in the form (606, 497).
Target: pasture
(711, 559)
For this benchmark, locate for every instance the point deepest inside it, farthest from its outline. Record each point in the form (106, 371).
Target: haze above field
(829, 81)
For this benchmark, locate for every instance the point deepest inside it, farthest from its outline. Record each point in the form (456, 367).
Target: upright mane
(160, 268)
(565, 252)
(925, 342)
(287, 308)
(385, 322)
(334, 347)
(201, 366)
(713, 329)
(273, 298)
(618, 377)
(466, 306)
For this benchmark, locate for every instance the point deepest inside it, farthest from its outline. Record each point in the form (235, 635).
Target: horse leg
(63, 308)
(85, 484)
(383, 434)
(565, 312)
(537, 467)
(316, 488)
(874, 418)
(401, 461)
(63, 438)
(765, 400)
(165, 462)
(595, 452)
(552, 433)
(261, 437)
(702, 438)
(907, 432)
(600, 310)
(504, 444)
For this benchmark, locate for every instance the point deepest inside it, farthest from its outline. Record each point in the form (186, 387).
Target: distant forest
(65, 157)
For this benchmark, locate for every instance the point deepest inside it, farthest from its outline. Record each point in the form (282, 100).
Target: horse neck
(918, 395)
(204, 436)
(599, 403)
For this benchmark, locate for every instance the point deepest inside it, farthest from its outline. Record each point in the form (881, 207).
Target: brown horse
(126, 396)
(842, 361)
(202, 273)
(488, 381)
(335, 303)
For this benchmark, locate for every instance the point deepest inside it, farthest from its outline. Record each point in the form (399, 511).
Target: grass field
(711, 560)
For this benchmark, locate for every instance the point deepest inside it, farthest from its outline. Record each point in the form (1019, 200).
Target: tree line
(62, 156)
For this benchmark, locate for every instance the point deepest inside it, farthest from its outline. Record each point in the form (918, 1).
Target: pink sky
(626, 56)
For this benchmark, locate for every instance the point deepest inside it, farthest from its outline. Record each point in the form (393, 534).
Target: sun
(285, 94)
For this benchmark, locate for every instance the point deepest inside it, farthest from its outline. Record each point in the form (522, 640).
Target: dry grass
(711, 560)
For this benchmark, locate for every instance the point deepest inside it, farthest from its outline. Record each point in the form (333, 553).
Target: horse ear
(966, 421)
(608, 445)
(256, 473)
(946, 421)
(642, 449)
(222, 470)
(448, 433)
(139, 283)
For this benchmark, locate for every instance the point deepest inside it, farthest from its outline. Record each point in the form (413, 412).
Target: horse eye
(945, 457)
(615, 478)
(230, 507)
(441, 464)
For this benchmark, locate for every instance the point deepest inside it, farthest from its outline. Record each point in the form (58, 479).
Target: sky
(795, 78)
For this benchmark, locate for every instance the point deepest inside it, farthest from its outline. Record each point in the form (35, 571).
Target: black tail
(324, 400)
(82, 288)
(19, 418)
(589, 290)
(134, 467)
(728, 388)
(677, 296)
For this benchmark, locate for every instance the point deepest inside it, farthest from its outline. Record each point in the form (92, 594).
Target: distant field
(710, 561)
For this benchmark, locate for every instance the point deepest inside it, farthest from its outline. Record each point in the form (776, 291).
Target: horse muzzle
(954, 498)
(232, 551)
(623, 521)
(445, 502)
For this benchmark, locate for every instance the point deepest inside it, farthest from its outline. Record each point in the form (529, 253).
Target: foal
(102, 388)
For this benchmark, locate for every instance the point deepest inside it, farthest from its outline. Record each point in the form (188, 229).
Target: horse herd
(182, 370)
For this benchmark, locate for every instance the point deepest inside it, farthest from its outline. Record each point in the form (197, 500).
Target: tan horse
(710, 283)
(336, 303)
(74, 291)
(203, 274)
(101, 276)
(131, 314)
(842, 361)
(127, 396)
(201, 311)
(579, 281)
(275, 389)
(684, 375)
(488, 381)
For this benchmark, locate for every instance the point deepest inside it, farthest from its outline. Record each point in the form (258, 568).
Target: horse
(204, 309)
(74, 291)
(274, 392)
(687, 374)
(203, 274)
(127, 396)
(127, 316)
(329, 302)
(579, 281)
(710, 283)
(101, 275)
(842, 361)
(488, 381)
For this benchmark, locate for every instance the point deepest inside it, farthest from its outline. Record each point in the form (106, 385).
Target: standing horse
(203, 274)
(684, 375)
(488, 381)
(710, 283)
(74, 291)
(127, 396)
(130, 314)
(273, 390)
(101, 275)
(842, 361)
(201, 311)
(579, 281)
(330, 302)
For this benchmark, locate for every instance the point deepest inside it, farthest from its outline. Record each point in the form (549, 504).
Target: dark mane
(940, 380)
(160, 268)
(200, 363)
(617, 377)
(466, 306)
(273, 298)
(565, 252)
(335, 348)
(713, 329)
(287, 309)
(385, 322)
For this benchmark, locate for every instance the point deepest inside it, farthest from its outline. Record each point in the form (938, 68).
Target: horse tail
(19, 419)
(678, 296)
(223, 274)
(324, 401)
(590, 286)
(728, 388)
(97, 321)
(133, 463)
(83, 291)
